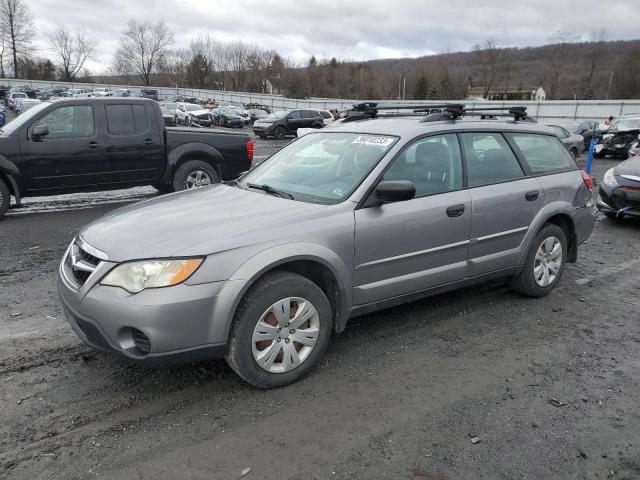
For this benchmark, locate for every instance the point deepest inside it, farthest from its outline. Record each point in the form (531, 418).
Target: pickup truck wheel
(279, 133)
(280, 330)
(5, 198)
(194, 174)
(545, 262)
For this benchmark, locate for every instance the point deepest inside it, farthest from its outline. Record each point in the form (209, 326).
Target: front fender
(246, 275)
(8, 167)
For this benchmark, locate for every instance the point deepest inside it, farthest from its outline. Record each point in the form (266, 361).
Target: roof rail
(435, 112)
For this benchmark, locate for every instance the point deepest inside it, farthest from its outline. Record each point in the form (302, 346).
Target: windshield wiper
(270, 190)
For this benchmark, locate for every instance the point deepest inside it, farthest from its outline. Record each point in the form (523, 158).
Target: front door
(418, 244)
(504, 201)
(70, 156)
(293, 122)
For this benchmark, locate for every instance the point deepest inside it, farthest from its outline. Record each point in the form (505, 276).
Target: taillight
(587, 180)
(250, 149)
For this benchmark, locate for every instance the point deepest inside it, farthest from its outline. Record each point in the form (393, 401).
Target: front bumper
(178, 322)
(262, 129)
(616, 201)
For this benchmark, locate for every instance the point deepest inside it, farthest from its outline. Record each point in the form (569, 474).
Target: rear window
(543, 153)
(126, 119)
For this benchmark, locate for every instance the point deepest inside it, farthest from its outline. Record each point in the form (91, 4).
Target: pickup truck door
(134, 143)
(70, 155)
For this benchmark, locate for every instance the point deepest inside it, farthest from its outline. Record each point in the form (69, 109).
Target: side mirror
(39, 131)
(394, 191)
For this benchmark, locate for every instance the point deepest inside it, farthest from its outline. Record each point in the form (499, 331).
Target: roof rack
(446, 111)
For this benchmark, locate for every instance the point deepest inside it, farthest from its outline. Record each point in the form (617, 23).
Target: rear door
(504, 201)
(72, 155)
(409, 246)
(133, 142)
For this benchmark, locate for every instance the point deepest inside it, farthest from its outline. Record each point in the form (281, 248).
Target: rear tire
(279, 133)
(276, 369)
(5, 198)
(187, 175)
(539, 260)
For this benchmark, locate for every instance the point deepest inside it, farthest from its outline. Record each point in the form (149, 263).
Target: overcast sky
(346, 29)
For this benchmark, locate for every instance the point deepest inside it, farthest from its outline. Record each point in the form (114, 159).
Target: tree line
(567, 68)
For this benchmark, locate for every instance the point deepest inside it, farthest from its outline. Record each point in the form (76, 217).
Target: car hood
(195, 222)
(629, 167)
(198, 112)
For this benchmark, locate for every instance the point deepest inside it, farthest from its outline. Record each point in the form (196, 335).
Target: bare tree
(561, 40)
(596, 44)
(17, 24)
(143, 48)
(72, 49)
(489, 56)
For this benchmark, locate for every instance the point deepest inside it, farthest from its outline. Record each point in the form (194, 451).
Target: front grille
(141, 341)
(80, 264)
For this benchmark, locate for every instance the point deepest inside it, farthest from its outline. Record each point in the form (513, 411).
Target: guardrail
(548, 111)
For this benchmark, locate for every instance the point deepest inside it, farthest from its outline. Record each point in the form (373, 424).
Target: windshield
(192, 108)
(16, 123)
(227, 111)
(321, 167)
(277, 115)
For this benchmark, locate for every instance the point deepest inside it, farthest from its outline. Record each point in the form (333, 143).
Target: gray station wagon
(371, 212)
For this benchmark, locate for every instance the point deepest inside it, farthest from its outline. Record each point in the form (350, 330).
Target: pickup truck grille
(79, 264)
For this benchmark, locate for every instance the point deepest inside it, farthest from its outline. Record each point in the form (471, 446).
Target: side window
(126, 119)
(543, 153)
(489, 159)
(68, 122)
(432, 164)
(560, 132)
(294, 115)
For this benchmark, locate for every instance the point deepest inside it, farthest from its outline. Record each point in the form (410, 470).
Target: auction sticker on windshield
(374, 140)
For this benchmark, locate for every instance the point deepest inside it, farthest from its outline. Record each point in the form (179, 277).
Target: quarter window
(71, 121)
(126, 119)
(432, 164)
(543, 153)
(489, 159)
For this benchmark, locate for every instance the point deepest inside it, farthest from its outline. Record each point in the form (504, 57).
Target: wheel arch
(193, 151)
(558, 215)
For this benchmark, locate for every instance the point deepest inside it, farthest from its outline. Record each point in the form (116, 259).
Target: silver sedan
(573, 142)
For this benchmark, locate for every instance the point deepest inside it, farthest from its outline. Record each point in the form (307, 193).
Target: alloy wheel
(197, 178)
(285, 335)
(547, 262)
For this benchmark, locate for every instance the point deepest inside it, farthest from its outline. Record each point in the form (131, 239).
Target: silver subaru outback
(360, 216)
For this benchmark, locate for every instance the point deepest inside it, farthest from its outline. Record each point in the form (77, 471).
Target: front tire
(279, 133)
(545, 263)
(280, 330)
(194, 174)
(5, 198)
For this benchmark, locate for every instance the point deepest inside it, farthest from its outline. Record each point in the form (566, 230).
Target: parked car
(192, 114)
(572, 142)
(339, 223)
(225, 117)
(123, 92)
(185, 99)
(171, 107)
(327, 117)
(587, 129)
(89, 144)
(102, 92)
(281, 124)
(257, 114)
(24, 104)
(240, 112)
(149, 93)
(13, 97)
(79, 92)
(258, 106)
(619, 191)
(618, 139)
(335, 113)
(168, 116)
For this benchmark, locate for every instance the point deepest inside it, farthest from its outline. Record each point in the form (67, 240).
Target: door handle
(148, 141)
(455, 210)
(532, 195)
(94, 145)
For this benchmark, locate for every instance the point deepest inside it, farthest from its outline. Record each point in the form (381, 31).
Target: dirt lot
(549, 386)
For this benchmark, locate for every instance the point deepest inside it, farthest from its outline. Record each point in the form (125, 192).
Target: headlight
(136, 276)
(609, 178)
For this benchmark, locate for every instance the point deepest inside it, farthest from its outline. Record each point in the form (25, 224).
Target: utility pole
(399, 85)
(609, 86)
(404, 87)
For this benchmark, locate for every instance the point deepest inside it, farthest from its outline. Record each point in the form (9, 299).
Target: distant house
(510, 93)
(274, 86)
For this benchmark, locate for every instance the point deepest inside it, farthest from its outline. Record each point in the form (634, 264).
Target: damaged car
(619, 192)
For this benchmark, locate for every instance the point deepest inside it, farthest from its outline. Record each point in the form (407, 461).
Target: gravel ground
(550, 387)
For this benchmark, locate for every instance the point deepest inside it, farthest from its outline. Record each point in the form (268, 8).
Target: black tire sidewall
(279, 133)
(254, 304)
(183, 171)
(5, 198)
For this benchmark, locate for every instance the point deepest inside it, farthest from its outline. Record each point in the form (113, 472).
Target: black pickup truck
(91, 144)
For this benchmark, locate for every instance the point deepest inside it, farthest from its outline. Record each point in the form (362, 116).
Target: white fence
(547, 111)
